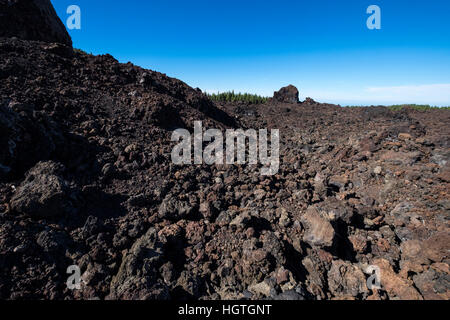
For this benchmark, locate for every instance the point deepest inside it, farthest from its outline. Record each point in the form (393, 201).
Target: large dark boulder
(32, 20)
(287, 94)
(138, 277)
(43, 193)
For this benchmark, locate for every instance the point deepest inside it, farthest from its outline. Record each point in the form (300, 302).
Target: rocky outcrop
(287, 94)
(32, 20)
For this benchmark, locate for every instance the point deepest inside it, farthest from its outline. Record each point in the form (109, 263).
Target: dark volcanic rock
(287, 94)
(137, 278)
(26, 137)
(86, 178)
(43, 193)
(32, 20)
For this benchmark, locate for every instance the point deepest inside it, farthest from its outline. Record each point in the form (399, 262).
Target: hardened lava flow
(86, 179)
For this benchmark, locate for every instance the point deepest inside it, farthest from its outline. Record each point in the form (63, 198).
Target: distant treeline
(398, 107)
(231, 96)
(415, 106)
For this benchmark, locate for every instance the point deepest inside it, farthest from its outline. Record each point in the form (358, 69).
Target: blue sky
(323, 47)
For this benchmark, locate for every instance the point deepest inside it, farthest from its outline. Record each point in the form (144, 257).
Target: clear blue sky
(323, 46)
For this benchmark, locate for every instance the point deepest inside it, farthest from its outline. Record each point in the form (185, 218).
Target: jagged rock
(290, 295)
(189, 284)
(319, 231)
(50, 240)
(335, 210)
(172, 208)
(395, 285)
(137, 278)
(264, 288)
(433, 284)
(317, 263)
(346, 280)
(26, 137)
(310, 101)
(44, 193)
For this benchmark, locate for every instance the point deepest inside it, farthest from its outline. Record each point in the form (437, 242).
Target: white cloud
(428, 93)
(432, 94)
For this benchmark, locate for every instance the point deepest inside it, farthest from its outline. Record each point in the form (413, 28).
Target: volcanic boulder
(319, 231)
(26, 137)
(44, 193)
(137, 278)
(287, 94)
(32, 20)
(346, 280)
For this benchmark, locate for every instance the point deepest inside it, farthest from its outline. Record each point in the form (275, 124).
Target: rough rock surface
(138, 276)
(43, 193)
(346, 280)
(32, 20)
(86, 178)
(319, 231)
(287, 94)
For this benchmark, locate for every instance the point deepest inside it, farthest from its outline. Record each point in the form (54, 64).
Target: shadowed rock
(32, 20)
(43, 193)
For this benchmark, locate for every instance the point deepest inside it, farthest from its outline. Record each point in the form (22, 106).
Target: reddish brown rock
(396, 286)
(346, 280)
